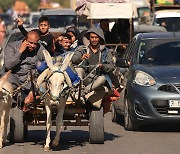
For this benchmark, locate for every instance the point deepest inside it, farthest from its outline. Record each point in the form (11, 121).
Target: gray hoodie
(106, 55)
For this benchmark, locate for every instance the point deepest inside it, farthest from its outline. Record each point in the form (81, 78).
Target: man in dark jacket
(20, 57)
(96, 55)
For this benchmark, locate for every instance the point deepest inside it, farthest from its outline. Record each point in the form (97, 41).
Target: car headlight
(143, 79)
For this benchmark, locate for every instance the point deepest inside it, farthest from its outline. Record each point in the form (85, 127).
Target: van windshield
(159, 52)
(58, 21)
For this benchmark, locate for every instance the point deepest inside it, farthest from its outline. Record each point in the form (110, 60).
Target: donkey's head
(55, 75)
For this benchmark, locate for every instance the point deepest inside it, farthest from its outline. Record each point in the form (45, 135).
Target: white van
(170, 19)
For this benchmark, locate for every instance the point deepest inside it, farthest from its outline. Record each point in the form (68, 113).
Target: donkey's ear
(49, 60)
(42, 76)
(66, 61)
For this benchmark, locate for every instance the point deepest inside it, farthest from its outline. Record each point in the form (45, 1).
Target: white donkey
(6, 91)
(57, 78)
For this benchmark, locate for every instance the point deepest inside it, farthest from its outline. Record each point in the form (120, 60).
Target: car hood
(161, 72)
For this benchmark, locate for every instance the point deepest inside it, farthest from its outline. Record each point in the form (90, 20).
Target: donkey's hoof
(46, 149)
(55, 144)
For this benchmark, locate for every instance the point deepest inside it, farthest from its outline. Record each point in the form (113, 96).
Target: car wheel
(129, 124)
(116, 117)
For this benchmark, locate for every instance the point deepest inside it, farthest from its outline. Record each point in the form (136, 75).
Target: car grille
(162, 107)
(170, 88)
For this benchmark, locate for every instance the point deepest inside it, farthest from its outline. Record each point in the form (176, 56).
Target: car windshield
(57, 21)
(159, 52)
(7, 19)
(170, 23)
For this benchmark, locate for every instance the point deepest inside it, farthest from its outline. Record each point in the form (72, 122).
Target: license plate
(174, 103)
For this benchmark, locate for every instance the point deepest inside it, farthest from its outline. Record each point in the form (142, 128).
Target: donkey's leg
(48, 126)
(59, 121)
(2, 115)
(6, 120)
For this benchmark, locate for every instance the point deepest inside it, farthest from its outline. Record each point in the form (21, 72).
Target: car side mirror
(123, 63)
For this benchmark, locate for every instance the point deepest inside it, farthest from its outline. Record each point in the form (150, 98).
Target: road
(74, 140)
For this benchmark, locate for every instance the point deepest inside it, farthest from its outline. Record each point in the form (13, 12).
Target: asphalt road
(74, 140)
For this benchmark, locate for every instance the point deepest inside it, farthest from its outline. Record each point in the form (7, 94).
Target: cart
(76, 114)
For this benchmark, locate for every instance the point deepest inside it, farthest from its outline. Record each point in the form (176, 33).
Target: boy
(46, 38)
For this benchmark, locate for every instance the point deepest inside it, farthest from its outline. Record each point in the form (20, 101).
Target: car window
(15, 37)
(159, 52)
(128, 53)
(170, 23)
(57, 21)
(6, 18)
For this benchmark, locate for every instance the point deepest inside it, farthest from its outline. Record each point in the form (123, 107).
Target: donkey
(6, 92)
(56, 80)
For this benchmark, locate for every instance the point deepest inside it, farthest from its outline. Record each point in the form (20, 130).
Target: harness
(46, 91)
(102, 58)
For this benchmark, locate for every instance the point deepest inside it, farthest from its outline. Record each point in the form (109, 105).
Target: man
(21, 57)
(96, 54)
(45, 36)
(109, 37)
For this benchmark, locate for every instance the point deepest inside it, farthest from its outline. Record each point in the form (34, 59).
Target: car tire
(129, 124)
(116, 117)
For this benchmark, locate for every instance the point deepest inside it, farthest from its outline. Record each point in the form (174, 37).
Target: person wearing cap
(95, 56)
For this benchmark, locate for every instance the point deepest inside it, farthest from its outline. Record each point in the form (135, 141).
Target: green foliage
(5, 4)
(33, 4)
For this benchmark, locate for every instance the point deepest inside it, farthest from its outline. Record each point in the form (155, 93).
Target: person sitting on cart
(62, 45)
(109, 36)
(74, 33)
(96, 62)
(46, 37)
(21, 57)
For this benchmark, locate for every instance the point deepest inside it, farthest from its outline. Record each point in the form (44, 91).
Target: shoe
(29, 98)
(25, 109)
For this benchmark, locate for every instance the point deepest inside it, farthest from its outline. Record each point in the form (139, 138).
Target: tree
(32, 4)
(6, 4)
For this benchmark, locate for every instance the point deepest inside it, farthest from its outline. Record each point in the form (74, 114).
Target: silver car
(151, 94)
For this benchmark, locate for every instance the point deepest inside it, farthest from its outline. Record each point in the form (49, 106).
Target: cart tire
(17, 133)
(96, 127)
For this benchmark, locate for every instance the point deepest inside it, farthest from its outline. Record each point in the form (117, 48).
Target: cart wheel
(96, 126)
(17, 132)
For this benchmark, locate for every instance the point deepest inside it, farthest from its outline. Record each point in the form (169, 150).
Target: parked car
(34, 16)
(170, 19)
(10, 24)
(151, 69)
(61, 18)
